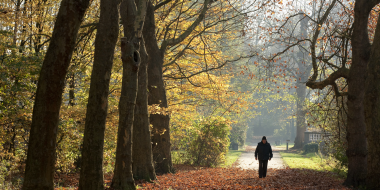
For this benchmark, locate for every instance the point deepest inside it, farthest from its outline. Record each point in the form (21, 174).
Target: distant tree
(339, 53)
(302, 75)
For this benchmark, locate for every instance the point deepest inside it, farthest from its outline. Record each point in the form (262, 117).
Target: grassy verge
(283, 145)
(312, 161)
(307, 161)
(231, 157)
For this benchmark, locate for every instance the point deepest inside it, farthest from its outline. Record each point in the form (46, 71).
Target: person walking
(264, 152)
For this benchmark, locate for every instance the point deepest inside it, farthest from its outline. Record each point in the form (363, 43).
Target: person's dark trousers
(263, 168)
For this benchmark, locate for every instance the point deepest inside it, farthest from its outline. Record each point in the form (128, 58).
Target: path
(247, 159)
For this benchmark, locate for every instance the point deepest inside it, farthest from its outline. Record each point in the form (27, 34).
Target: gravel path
(247, 160)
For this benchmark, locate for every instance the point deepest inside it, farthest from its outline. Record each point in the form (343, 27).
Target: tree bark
(91, 175)
(156, 86)
(356, 121)
(301, 127)
(123, 178)
(133, 18)
(372, 113)
(71, 91)
(356, 128)
(302, 76)
(157, 95)
(17, 13)
(142, 148)
(41, 155)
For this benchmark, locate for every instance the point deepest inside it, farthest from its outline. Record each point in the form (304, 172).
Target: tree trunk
(301, 127)
(133, 18)
(91, 175)
(17, 13)
(302, 77)
(157, 95)
(356, 128)
(372, 113)
(142, 148)
(292, 129)
(123, 178)
(41, 155)
(72, 88)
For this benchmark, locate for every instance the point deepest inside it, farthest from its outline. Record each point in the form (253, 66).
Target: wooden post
(287, 144)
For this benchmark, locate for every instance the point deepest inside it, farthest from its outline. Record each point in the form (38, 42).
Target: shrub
(238, 134)
(209, 144)
(340, 155)
(310, 147)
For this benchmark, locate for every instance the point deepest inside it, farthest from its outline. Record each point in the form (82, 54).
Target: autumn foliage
(210, 144)
(190, 177)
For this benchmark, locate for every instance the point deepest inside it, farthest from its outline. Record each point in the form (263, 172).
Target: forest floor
(243, 175)
(234, 177)
(190, 177)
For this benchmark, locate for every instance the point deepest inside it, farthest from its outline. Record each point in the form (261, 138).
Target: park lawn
(304, 161)
(283, 145)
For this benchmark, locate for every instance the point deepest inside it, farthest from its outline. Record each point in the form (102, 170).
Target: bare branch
(159, 5)
(188, 31)
(330, 80)
(314, 41)
(210, 69)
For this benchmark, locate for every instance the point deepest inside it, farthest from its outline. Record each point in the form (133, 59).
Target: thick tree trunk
(372, 112)
(123, 178)
(40, 161)
(301, 127)
(91, 175)
(133, 18)
(356, 128)
(302, 77)
(142, 148)
(157, 95)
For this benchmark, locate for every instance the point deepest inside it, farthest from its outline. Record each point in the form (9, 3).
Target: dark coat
(264, 151)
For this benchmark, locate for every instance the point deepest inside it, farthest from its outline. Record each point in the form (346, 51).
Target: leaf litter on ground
(235, 178)
(190, 177)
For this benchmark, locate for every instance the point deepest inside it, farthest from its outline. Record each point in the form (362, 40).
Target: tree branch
(206, 70)
(341, 72)
(184, 35)
(314, 41)
(159, 5)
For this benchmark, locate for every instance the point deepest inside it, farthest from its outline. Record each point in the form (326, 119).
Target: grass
(308, 161)
(231, 157)
(283, 145)
(313, 161)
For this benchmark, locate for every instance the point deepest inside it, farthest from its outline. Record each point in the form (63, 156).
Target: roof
(314, 130)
